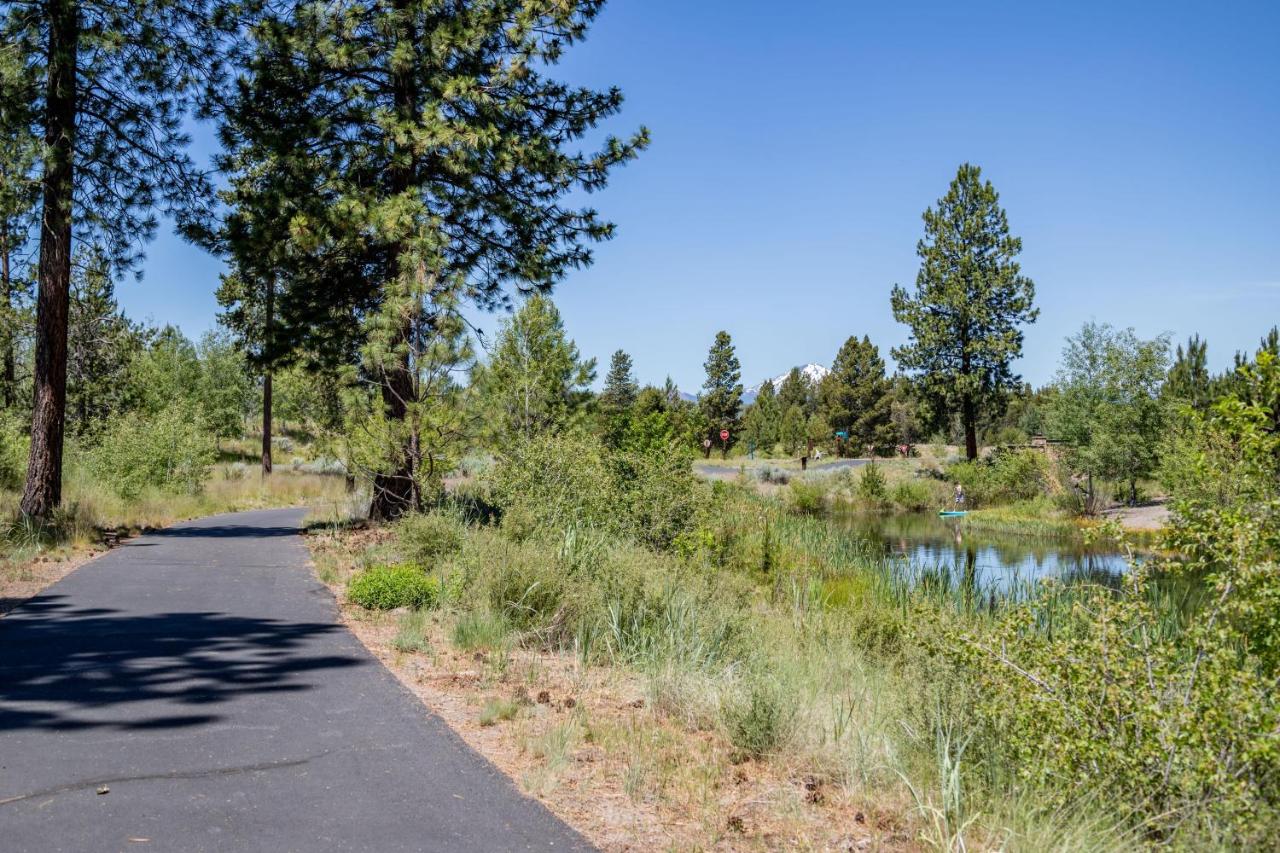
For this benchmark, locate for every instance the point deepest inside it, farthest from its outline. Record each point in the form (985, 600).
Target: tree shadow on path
(65, 668)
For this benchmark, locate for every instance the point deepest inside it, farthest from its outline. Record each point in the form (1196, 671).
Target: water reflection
(982, 560)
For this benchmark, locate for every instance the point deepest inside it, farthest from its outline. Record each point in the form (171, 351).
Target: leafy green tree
(102, 345)
(856, 396)
(969, 302)
(165, 374)
(1108, 406)
(453, 191)
(226, 389)
(119, 77)
(617, 399)
(721, 400)
(535, 381)
(1189, 380)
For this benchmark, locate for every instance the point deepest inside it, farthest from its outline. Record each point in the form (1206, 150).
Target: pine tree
(119, 77)
(535, 381)
(855, 396)
(794, 430)
(721, 400)
(1189, 379)
(617, 399)
(768, 416)
(18, 196)
(439, 152)
(101, 346)
(797, 390)
(969, 302)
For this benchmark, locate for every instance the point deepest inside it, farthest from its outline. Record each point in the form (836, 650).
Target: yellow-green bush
(389, 587)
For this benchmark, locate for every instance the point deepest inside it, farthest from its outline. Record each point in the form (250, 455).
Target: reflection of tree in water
(983, 562)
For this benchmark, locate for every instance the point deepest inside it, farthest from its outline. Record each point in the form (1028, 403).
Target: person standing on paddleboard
(959, 496)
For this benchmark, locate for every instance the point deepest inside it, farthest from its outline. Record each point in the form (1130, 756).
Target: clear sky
(1136, 148)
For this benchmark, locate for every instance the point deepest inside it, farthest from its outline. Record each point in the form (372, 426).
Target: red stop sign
(724, 435)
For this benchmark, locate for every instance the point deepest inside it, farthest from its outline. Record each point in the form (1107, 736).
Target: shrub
(170, 451)
(912, 496)
(808, 496)
(1005, 477)
(759, 722)
(389, 587)
(425, 538)
(14, 445)
(871, 487)
(411, 633)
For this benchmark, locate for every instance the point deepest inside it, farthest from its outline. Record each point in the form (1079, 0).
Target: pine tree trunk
(396, 493)
(969, 416)
(267, 326)
(266, 424)
(10, 360)
(43, 490)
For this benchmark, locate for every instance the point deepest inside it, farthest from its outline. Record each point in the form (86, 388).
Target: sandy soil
(1152, 516)
(22, 580)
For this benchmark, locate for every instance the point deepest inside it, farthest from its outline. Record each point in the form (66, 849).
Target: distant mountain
(813, 372)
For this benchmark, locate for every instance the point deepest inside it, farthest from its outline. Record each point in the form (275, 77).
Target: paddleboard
(952, 512)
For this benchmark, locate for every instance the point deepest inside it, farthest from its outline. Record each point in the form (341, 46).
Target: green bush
(170, 451)
(389, 587)
(15, 442)
(913, 496)
(808, 496)
(760, 721)
(481, 629)
(1005, 477)
(872, 489)
(425, 538)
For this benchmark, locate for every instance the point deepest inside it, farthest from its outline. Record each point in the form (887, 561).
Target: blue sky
(1136, 148)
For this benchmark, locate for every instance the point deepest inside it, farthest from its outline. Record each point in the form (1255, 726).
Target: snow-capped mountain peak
(813, 372)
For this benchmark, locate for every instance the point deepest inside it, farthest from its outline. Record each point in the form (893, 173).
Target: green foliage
(618, 399)
(424, 539)
(535, 381)
(913, 496)
(560, 482)
(855, 397)
(721, 400)
(14, 444)
(1004, 477)
(1188, 380)
(389, 587)
(808, 496)
(102, 346)
(872, 488)
(762, 423)
(481, 630)
(970, 300)
(498, 710)
(1108, 407)
(169, 450)
(794, 430)
(226, 391)
(759, 721)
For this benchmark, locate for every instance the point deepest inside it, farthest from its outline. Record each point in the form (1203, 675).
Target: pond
(998, 562)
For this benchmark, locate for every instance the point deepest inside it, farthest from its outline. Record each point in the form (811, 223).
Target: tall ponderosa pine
(969, 302)
(618, 398)
(438, 153)
(721, 400)
(856, 396)
(118, 76)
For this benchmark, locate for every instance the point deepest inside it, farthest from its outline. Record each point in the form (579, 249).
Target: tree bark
(267, 326)
(43, 491)
(969, 416)
(396, 493)
(10, 360)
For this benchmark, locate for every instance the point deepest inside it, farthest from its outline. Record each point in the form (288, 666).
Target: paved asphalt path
(200, 678)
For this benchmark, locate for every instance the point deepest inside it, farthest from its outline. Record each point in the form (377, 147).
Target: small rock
(103, 790)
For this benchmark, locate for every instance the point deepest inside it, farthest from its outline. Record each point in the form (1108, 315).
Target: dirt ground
(1151, 516)
(21, 580)
(587, 742)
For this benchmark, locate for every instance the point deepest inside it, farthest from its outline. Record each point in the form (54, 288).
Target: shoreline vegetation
(761, 645)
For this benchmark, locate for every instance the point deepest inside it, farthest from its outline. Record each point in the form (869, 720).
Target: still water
(991, 561)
